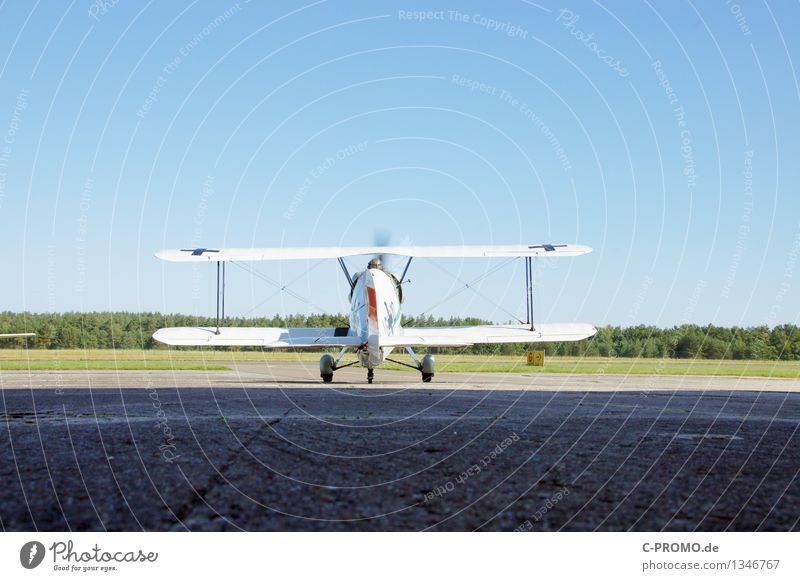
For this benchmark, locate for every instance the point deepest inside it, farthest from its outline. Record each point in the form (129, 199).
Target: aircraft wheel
(370, 375)
(427, 368)
(327, 364)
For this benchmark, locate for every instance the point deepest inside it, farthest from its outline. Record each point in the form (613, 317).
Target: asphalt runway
(503, 453)
(306, 375)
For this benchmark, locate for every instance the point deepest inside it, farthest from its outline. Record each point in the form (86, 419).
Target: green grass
(100, 365)
(103, 360)
(208, 360)
(601, 366)
(609, 366)
(128, 355)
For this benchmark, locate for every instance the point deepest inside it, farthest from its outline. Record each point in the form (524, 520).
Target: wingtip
(162, 336)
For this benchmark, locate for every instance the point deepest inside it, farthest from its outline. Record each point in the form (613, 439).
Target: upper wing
(9, 335)
(271, 337)
(459, 336)
(246, 254)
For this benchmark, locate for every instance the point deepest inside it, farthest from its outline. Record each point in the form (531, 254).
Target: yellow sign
(536, 358)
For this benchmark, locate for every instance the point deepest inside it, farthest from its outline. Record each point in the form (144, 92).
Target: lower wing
(270, 337)
(277, 337)
(472, 335)
(10, 335)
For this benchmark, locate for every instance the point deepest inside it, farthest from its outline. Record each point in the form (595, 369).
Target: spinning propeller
(381, 238)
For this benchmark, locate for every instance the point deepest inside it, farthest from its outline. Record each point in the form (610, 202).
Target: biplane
(375, 327)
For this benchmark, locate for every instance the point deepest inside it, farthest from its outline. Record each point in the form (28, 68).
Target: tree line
(127, 330)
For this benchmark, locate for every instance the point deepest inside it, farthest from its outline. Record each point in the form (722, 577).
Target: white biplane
(375, 297)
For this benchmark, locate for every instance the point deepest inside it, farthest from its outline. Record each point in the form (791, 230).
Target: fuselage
(375, 313)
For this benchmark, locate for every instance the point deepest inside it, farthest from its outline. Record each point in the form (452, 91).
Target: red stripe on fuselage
(372, 315)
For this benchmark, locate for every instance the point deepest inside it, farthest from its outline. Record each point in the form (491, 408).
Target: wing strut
(346, 273)
(220, 295)
(405, 270)
(529, 289)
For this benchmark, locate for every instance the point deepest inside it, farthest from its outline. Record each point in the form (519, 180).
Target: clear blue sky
(663, 134)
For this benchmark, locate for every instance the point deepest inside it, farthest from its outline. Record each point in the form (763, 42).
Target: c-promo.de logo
(31, 554)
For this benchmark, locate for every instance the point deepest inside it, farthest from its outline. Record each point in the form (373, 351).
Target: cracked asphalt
(398, 457)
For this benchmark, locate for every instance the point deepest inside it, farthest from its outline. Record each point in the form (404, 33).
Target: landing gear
(370, 375)
(427, 366)
(327, 365)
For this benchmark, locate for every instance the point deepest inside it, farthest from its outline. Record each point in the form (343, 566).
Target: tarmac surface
(274, 449)
(306, 375)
